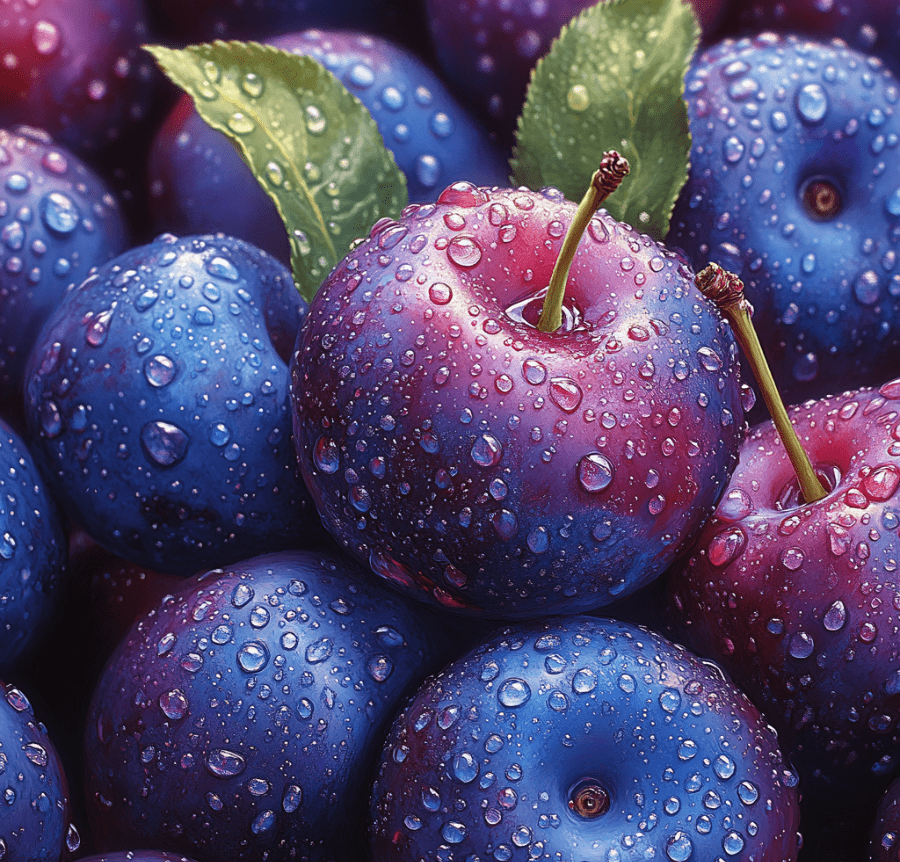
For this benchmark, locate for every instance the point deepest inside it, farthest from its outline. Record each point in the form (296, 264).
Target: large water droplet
(679, 847)
(253, 656)
(726, 546)
(595, 472)
(159, 370)
(565, 393)
(835, 617)
(464, 251)
(513, 692)
(465, 767)
(812, 102)
(59, 213)
(164, 443)
(174, 704)
(225, 764)
(318, 651)
(487, 450)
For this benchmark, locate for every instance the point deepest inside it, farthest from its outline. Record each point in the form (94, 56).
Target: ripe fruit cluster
(375, 538)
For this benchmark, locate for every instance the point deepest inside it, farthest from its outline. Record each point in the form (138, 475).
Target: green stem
(604, 182)
(726, 290)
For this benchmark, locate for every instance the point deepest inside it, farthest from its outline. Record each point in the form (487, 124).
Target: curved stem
(726, 290)
(604, 182)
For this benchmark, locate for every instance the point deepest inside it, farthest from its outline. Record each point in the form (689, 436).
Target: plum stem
(726, 290)
(604, 182)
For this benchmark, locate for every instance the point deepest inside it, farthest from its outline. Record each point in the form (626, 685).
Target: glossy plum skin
(36, 825)
(242, 719)
(484, 761)
(157, 400)
(75, 69)
(57, 220)
(32, 552)
(492, 468)
(773, 119)
(196, 176)
(488, 48)
(800, 603)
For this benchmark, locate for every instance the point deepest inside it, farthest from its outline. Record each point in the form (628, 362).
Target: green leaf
(314, 147)
(613, 79)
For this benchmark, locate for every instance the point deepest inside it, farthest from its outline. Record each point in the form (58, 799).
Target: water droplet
(225, 764)
(726, 546)
(45, 37)
(670, 700)
(733, 843)
(252, 85)
(835, 617)
(881, 484)
(293, 796)
(318, 651)
(801, 645)
(464, 251)
(867, 287)
(59, 213)
(748, 792)
(513, 692)
(679, 847)
(379, 667)
(812, 102)
(240, 123)
(584, 681)
(565, 393)
(595, 472)
(724, 766)
(534, 372)
(736, 504)
(174, 704)
(465, 767)
(37, 754)
(792, 558)
(98, 328)
(487, 450)
(164, 443)
(159, 370)
(253, 656)
(326, 455)
(578, 98)
(263, 822)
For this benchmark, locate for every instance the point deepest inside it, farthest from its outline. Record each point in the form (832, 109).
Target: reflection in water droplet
(513, 692)
(225, 764)
(253, 656)
(164, 442)
(595, 472)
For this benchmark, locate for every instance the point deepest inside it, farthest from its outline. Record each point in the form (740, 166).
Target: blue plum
(582, 738)
(35, 826)
(795, 187)
(33, 552)
(57, 220)
(157, 402)
(242, 719)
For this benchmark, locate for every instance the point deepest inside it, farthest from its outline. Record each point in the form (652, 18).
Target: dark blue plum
(582, 739)
(243, 718)
(35, 825)
(196, 176)
(157, 400)
(795, 186)
(75, 69)
(33, 552)
(57, 220)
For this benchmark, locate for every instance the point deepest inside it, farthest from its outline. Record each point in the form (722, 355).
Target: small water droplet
(578, 98)
(240, 123)
(812, 102)
(835, 617)
(464, 251)
(595, 472)
(164, 443)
